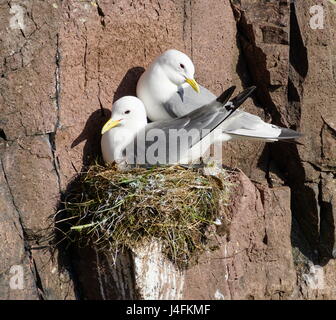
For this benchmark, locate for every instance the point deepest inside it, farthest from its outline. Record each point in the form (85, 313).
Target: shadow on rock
(93, 273)
(313, 238)
(91, 131)
(91, 135)
(96, 276)
(127, 86)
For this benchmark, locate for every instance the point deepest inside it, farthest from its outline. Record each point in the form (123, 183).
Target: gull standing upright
(127, 136)
(168, 90)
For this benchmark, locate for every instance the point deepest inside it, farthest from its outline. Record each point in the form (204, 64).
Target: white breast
(153, 89)
(114, 141)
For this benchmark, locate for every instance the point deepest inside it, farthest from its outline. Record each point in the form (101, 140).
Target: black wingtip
(226, 95)
(241, 97)
(237, 101)
(289, 134)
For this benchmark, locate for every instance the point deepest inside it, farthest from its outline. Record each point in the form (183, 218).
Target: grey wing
(244, 124)
(187, 100)
(166, 142)
(151, 145)
(199, 122)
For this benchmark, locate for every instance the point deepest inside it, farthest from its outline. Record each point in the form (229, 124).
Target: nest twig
(114, 210)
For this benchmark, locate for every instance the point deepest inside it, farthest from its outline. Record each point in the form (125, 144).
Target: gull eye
(182, 65)
(127, 112)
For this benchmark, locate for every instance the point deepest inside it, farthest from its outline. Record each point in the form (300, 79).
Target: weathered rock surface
(251, 259)
(302, 58)
(62, 65)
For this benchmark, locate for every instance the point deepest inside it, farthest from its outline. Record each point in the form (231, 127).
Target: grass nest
(116, 210)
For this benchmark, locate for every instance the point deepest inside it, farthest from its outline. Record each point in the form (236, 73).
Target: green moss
(114, 210)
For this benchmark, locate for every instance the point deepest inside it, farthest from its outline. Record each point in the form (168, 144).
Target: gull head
(127, 112)
(179, 68)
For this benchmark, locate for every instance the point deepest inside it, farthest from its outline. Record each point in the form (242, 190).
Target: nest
(117, 210)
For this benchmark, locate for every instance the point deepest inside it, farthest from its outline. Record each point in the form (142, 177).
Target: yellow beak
(109, 125)
(193, 84)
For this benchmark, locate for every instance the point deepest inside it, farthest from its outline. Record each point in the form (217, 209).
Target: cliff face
(62, 65)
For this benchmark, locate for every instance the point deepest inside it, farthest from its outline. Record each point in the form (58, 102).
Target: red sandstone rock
(72, 59)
